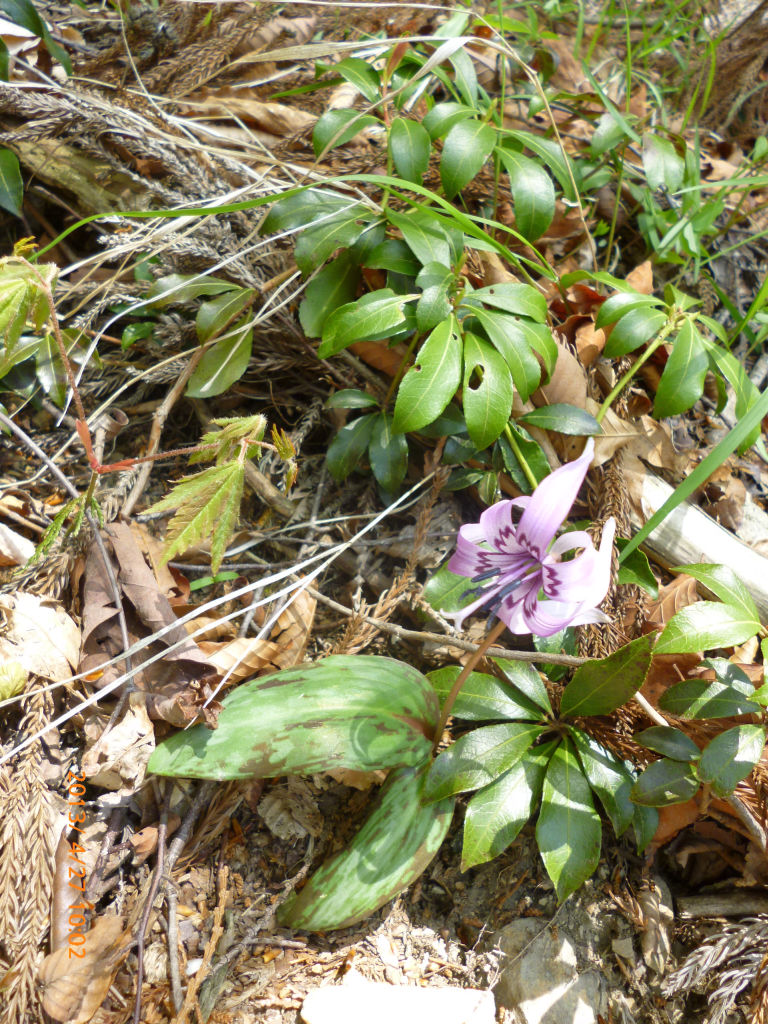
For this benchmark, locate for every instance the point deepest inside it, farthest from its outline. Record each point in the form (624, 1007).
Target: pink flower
(520, 563)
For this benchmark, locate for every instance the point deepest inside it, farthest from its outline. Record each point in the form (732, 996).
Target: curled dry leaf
(658, 919)
(243, 104)
(568, 384)
(144, 842)
(39, 635)
(357, 780)
(214, 627)
(277, 32)
(377, 355)
(672, 598)
(290, 811)
(167, 579)
(494, 271)
(118, 759)
(14, 549)
(73, 988)
(641, 278)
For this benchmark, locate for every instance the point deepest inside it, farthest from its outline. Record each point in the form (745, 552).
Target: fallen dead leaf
(641, 278)
(673, 597)
(14, 549)
(118, 760)
(73, 988)
(144, 842)
(39, 635)
(276, 118)
(568, 383)
(357, 780)
(658, 925)
(494, 271)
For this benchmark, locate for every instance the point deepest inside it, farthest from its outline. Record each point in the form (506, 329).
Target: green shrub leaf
(566, 419)
(348, 446)
(533, 194)
(669, 742)
(706, 625)
(682, 382)
(410, 148)
(336, 127)
(507, 337)
(487, 405)
(483, 697)
(432, 381)
(388, 452)
(465, 150)
(730, 757)
(600, 687)
(609, 778)
(332, 288)
(665, 782)
(633, 330)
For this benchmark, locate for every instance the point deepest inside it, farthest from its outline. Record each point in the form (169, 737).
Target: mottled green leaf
(525, 678)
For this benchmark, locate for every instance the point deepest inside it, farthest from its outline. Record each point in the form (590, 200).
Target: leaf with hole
(487, 404)
(608, 777)
(633, 330)
(496, 814)
(388, 453)
(465, 150)
(508, 339)
(483, 697)
(533, 193)
(478, 758)
(568, 831)
(669, 742)
(348, 447)
(599, 687)
(432, 381)
(397, 841)
(223, 364)
(730, 757)
(336, 127)
(566, 419)
(682, 382)
(665, 782)
(409, 147)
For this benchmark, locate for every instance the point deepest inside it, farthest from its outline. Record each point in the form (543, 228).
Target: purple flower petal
(569, 541)
(470, 560)
(551, 502)
(499, 529)
(570, 581)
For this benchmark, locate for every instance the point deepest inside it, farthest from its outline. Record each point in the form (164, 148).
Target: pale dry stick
(171, 900)
(190, 1000)
(114, 828)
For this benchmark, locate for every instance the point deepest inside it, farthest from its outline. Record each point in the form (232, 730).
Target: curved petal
(572, 581)
(511, 610)
(569, 541)
(470, 560)
(499, 529)
(601, 575)
(551, 502)
(544, 618)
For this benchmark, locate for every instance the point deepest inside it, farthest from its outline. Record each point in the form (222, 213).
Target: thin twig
(114, 828)
(161, 834)
(174, 973)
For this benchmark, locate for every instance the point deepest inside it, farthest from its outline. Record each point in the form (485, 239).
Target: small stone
(377, 1003)
(624, 948)
(316, 969)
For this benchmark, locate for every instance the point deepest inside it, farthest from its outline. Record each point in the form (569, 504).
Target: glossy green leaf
(505, 334)
(483, 697)
(669, 742)
(432, 381)
(661, 163)
(444, 591)
(448, 424)
(388, 453)
(567, 419)
(562, 642)
(568, 831)
(533, 194)
(393, 254)
(730, 757)
(731, 369)
(185, 287)
(433, 307)
(682, 382)
(359, 712)
(487, 404)
(4, 70)
(608, 777)
(637, 570)
(463, 478)
(458, 450)
(397, 841)
(706, 625)
(335, 127)
(496, 814)
(370, 238)
(11, 185)
(350, 398)
(723, 582)
(465, 77)
(362, 75)
(332, 288)
(478, 758)
(607, 135)
(619, 305)
(525, 678)
(359, 320)
(134, 332)
(645, 822)
(348, 447)
(465, 150)
(316, 244)
(520, 299)
(633, 330)
(600, 687)
(702, 698)
(553, 157)
(665, 782)
(530, 451)
(214, 316)
(443, 116)
(410, 148)
(303, 208)
(223, 364)
(426, 239)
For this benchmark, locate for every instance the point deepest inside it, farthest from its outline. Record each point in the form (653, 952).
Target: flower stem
(666, 330)
(456, 689)
(520, 458)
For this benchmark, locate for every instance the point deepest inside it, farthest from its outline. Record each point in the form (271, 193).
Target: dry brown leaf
(494, 271)
(144, 842)
(568, 383)
(658, 926)
(14, 549)
(73, 988)
(248, 655)
(672, 598)
(39, 635)
(152, 549)
(568, 75)
(637, 101)
(377, 355)
(118, 761)
(16, 38)
(215, 629)
(674, 819)
(641, 278)
(616, 434)
(275, 118)
(357, 780)
(277, 32)
(590, 342)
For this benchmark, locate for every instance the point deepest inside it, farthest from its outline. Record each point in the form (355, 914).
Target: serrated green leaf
(730, 757)
(478, 758)
(362, 75)
(465, 150)
(185, 287)
(619, 305)
(637, 570)
(332, 288)
(669, 742)
(508, 339)
(317, 243)
(393, 254)
(533, 193)
(336, 127)
(725, 584)
(633, 330)
(227, 441)
(443, 116)
(682, 382)
(488, 404)
(397, 841)
(525, 678)
(213, 316)
(410, 148)
(600, 687)
(665, 782)
(223, 364)
(608, 777)
(566, 419)
(347, 448)
(426, 239)
(208, 504)
(520, 299)
(11, 185)
(496, 814)
(432, 381)
(388, 453)
(704, 626)
(349, 398)
(568, 831)
(483, 697)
